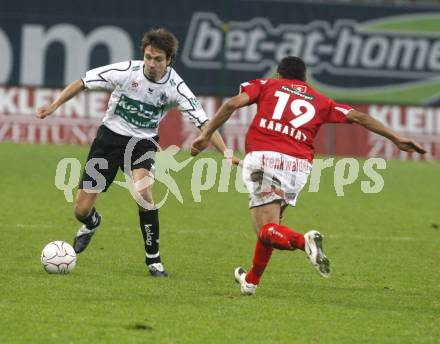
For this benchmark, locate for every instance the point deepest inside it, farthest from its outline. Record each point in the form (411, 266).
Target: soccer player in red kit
(279, 152)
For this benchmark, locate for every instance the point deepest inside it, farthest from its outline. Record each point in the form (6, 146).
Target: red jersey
(289, 115)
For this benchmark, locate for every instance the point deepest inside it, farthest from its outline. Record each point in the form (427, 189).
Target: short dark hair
(292, 67)
(161, 39)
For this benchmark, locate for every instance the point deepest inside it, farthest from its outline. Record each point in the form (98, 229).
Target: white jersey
(137, 104)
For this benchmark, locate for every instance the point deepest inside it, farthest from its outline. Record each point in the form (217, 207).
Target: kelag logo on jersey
(140, 114)
(393, 59)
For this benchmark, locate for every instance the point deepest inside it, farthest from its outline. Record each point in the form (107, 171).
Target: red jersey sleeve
(252, 88)
(338, 112)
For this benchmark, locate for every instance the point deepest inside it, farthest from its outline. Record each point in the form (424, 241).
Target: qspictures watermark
(208, 174)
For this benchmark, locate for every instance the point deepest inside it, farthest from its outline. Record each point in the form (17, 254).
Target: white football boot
(315, 253)
(157, 270)
(245, 287)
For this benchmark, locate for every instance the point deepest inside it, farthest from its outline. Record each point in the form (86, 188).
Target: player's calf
(281, 237)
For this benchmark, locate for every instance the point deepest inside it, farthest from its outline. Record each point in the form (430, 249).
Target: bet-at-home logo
(396, 57)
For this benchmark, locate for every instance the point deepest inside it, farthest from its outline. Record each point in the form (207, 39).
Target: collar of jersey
(161, 81)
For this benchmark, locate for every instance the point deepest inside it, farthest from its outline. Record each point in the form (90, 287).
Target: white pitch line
(331, 236)
(363, 237)
(22, 225)
(25, 226)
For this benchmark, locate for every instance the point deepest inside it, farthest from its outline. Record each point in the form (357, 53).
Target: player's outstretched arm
(378, 127)
(216, 139)
(69, 92)
(221, 116)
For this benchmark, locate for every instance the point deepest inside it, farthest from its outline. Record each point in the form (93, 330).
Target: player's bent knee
(144, 200)
(81, 211)
(265, 232)
(146, 195)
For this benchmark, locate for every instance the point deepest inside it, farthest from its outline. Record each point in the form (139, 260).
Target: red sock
(281, 237)
(262, 256)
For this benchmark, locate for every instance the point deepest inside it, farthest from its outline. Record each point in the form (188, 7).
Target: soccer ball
(58, 257)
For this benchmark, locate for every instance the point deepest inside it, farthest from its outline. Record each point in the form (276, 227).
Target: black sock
(149, 223)
(92, 220)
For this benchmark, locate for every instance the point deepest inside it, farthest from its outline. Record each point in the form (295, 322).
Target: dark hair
(161, 39)
(292, 67)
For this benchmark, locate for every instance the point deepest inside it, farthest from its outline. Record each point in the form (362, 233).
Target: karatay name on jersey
(138, 104)
(283, 129)
(289, 115)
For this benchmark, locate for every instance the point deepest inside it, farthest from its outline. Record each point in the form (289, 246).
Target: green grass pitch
(385, 251)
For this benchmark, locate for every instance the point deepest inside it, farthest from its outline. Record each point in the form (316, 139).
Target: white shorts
(271, 176)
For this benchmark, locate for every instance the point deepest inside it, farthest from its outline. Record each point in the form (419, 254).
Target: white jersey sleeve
(106, 77)
(189, 105)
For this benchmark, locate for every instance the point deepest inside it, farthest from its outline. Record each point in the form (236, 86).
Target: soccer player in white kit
(279, 153)
(142, 93)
